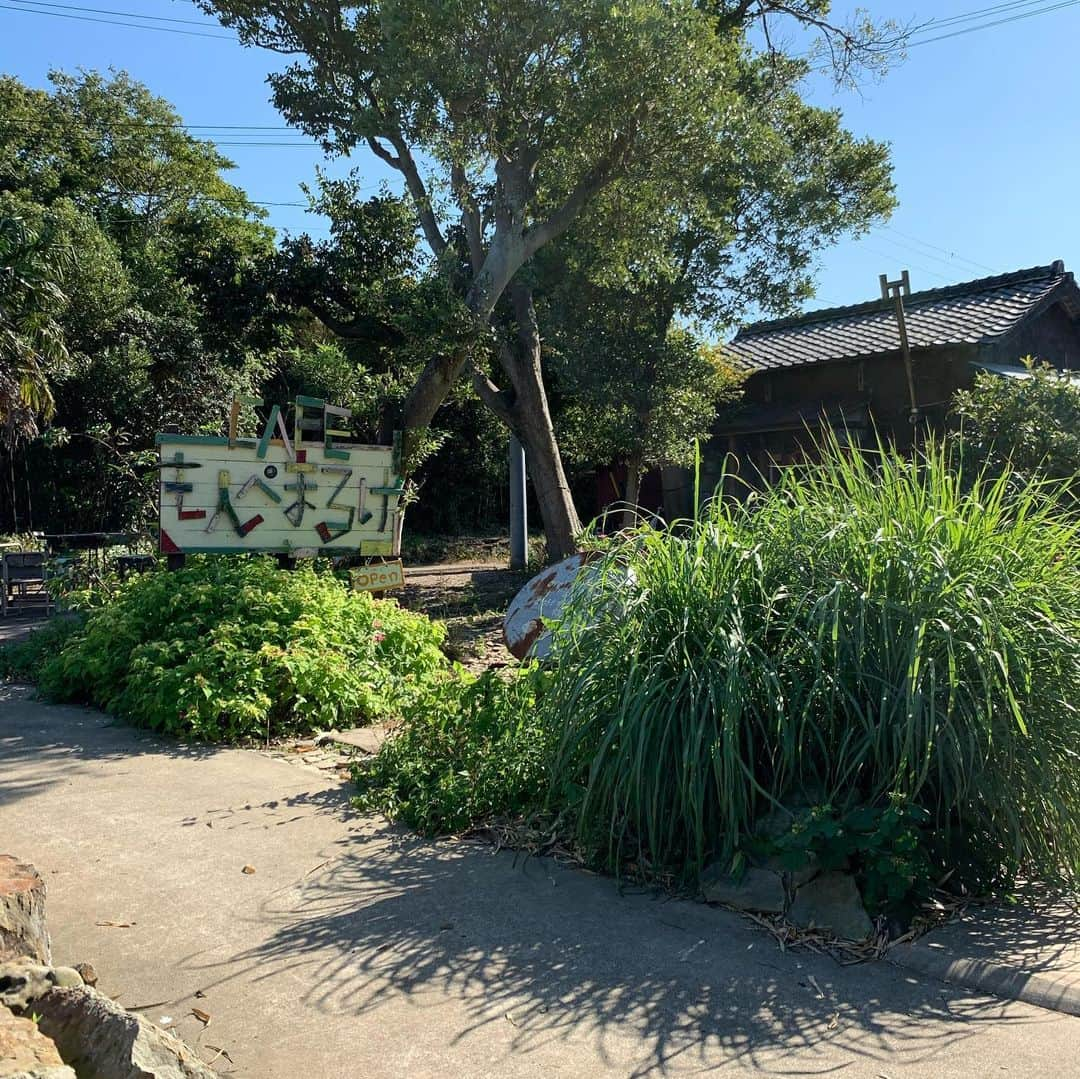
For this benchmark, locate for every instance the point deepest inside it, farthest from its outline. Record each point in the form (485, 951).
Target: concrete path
(356, 950)
(1028, 952)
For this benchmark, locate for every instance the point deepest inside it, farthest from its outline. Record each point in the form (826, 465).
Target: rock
(366, 739)
(22, 981)
(103, 1041)
(757, 889)
(22, 912)
(26, 1053)
(87, 973)
(832, 902)
(793, 878)
(775, 824)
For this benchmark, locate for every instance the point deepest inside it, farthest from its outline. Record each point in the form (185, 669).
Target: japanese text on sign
(302, 492)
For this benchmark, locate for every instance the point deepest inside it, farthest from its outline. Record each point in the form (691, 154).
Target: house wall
(1053, 336)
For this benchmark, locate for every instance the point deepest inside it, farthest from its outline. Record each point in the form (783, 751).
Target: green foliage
(871, 628)
(682, 136)
(228, 649)
(159, 308)
(23, 661)
(468, 751)
(1029, 425)
(32, 348)
(885, 847)
(638, 393)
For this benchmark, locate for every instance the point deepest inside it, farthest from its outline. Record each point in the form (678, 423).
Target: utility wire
(979, 13)
(125, 14)
(119, 22)
(943, 250)
(951, 263)
(988, 25)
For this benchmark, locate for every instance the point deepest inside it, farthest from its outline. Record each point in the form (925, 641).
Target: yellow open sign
(378, 578)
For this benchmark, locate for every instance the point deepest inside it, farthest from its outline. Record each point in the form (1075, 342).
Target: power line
(924, 269)
(978, 13)
(122, 14)
(119, 22)
(46, 121)
(998, 22)
(919, 38)
(943, 250)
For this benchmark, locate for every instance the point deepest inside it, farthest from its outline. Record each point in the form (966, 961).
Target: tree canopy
(148, 304)
(508, 119)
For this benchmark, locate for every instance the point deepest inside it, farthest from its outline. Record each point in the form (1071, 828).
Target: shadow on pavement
(552, 953)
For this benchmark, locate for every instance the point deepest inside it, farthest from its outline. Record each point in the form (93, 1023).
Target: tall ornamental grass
(871, 630)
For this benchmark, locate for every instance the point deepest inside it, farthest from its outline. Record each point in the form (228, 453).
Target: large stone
(832, 902)
(22, 912)
(26, 1053)
(23, 980)
(103, 1041)
(757, 889)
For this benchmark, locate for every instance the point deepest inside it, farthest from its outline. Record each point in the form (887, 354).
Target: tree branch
(470, 215)
(593, 181)
(497, 400)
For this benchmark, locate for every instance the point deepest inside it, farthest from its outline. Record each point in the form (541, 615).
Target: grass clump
(229, 649)
(469, 751)
(872, 631)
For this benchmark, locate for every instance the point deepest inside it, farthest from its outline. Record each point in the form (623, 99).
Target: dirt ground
(471, 598)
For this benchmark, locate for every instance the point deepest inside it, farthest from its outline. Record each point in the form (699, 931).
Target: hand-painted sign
(376, 577)
(277, 492)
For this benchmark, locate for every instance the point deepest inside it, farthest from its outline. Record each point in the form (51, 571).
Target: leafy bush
(885, 847)
(22, 661)
(1030, 425)
(870, 628)
(227, 649)
(469, 750)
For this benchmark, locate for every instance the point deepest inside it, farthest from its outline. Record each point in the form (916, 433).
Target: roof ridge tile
(978, 285)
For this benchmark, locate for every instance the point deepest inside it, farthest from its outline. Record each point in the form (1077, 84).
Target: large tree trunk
(633, 490)
(530, 417)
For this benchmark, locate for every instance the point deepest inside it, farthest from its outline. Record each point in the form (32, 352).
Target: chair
(22, 582)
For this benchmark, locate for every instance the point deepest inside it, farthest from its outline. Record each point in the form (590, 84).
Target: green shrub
(885, 848)
(22, 661)
(228, 648)
(1030, 425)
(871, 629)
(470, 750)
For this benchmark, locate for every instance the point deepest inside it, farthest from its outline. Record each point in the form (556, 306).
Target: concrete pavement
(1028, 952)
(358, 950)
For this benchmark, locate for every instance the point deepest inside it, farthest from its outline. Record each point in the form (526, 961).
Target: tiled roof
(974, 312)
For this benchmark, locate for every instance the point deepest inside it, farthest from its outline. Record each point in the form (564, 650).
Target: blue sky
(983, 126)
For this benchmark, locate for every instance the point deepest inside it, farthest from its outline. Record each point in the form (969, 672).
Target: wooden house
(843, 366)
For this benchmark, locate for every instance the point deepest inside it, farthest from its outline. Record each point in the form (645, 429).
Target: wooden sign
(378, 578)
(303, 492)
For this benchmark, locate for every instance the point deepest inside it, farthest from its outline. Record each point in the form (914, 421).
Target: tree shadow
(42, 746)
(1040, 933)
(555, 954)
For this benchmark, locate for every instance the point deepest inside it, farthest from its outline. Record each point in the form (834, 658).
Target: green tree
(167, 311)
(643, 399)
(506, 119)
(1030, 426)
(32, 348)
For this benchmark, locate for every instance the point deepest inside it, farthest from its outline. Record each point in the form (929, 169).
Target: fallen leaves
(248, 869)
(203, 1017)
(117, 925)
